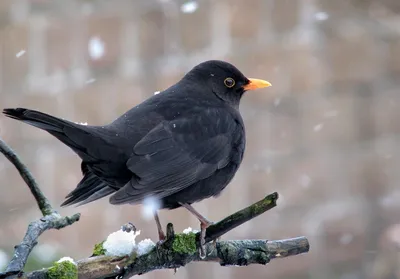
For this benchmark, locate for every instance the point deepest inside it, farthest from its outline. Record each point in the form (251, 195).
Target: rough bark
(226, 253)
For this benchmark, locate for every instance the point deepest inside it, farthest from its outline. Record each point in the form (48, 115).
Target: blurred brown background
(325, 136)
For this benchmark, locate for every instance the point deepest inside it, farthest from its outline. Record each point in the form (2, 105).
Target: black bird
(180, 146)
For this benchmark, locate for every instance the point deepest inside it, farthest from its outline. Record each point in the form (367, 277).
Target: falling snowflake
(150, 205)
(189, 7)
(305, 181)
(318, 127)
(20, 53)
(346, 238)
(96, 48)
(321, 16)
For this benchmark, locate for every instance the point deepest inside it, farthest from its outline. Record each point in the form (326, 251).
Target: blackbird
(180, 146)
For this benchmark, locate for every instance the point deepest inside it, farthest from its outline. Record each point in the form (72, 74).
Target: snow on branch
(175, 252)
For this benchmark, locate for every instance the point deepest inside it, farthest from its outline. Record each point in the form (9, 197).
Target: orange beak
(256, 84)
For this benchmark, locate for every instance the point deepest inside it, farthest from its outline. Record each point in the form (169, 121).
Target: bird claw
(202, 248)
(202, 252)
(203, 227)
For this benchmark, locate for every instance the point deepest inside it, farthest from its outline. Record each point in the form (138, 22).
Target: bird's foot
(215, 242)
(203, 227)
(128, 227)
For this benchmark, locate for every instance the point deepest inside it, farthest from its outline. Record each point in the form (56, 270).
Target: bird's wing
(176, 154)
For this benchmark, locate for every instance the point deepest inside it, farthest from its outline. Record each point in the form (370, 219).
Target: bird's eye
(229, 82)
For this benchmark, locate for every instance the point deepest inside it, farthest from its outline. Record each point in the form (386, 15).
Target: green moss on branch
(63, 270)
(99, 249)
(184, 243)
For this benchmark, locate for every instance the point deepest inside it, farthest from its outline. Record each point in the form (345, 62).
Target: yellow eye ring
(229, 82)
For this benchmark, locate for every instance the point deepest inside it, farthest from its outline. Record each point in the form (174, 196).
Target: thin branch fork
(163, 256)
(50, 220)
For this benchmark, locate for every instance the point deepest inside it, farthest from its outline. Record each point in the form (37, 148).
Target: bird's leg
(204, 224)
(161, 234)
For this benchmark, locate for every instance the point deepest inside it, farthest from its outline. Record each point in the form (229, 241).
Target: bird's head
(224, 80)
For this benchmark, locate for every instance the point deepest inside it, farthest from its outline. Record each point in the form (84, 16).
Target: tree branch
(35, 229)
(41, 200)
(236, 219)
(226, 253)
(50, 220)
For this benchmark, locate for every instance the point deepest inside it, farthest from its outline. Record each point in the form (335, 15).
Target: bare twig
(50, 220)
(226, 253)
(236, 219)
(41, 200)
(35, 229)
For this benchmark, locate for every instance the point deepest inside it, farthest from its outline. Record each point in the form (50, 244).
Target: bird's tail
(79, 138)
(36, 118)
(90, 188)
(57, 127)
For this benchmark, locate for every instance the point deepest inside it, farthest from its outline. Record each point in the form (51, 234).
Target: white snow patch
(150, 205)
(3, 260)
(189, 230)
(120, 243)
(321, 16)
(318, 127)
(20, 53)
(96, 48)
(157, 92)
(67, 259)
(82, 123)
(144, 246)
(189, 7)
